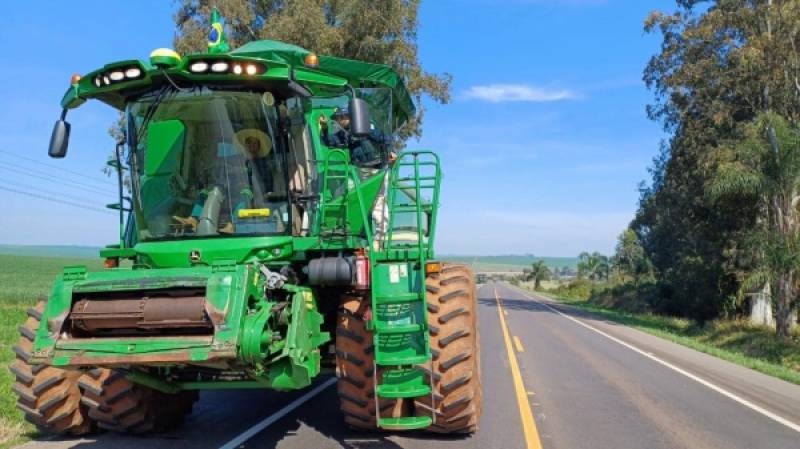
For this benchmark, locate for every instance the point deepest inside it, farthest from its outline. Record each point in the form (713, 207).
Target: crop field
(510, 263)
(22, 280)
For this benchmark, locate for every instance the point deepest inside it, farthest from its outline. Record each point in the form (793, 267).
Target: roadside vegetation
(23, 279)
(718, 225)
(712, 257)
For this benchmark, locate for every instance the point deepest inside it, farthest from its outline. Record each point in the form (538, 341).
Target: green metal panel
(165, 140)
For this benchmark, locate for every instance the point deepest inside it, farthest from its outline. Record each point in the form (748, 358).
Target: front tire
(455, 347)
(50, 397)
(355, 355)
(119, 405)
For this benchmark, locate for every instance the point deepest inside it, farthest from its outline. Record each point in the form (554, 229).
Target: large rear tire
(455, 346)
(119, 405)
(354, 367)
(49, 397)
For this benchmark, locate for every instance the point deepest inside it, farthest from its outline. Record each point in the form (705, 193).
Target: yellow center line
(518, 344)
(528, 423)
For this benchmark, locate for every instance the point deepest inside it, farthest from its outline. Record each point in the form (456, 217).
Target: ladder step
(386, 329)
(423, 207)
(397, 391)
(420, 163)
(405, 422)
(403, 383)
(411, 178)
(384, 360)
(398, 299)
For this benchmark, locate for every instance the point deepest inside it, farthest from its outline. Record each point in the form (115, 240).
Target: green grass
(754, 347)
(22, 280)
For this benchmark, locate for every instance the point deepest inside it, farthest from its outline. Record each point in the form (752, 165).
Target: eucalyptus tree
(380, 31)
(727, 75)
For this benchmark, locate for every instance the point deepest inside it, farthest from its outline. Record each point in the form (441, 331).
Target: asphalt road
(553, 377)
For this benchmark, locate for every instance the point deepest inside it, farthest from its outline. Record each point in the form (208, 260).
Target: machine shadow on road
(317, 423)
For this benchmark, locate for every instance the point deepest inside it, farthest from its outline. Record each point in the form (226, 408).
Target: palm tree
(767, 167)
(539, 272)
(593, 266)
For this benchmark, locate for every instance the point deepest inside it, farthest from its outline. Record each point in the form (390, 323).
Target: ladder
(339, 180)
(399, 309)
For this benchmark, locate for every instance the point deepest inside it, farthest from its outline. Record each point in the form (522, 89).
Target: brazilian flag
(217, 43)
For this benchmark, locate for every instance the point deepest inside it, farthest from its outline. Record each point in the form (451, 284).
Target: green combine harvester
(271, 236)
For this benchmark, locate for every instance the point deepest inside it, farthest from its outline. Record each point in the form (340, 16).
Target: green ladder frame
(336, 167)
(400, 319)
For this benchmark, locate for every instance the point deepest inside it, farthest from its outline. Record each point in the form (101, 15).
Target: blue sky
(543, 144)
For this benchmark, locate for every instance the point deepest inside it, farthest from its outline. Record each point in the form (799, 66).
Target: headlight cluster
(225, 67)
(117, 75)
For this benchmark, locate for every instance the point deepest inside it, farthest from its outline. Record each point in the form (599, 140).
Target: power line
(91, 202)
(51, 178)
(56, 200)
(82, 175)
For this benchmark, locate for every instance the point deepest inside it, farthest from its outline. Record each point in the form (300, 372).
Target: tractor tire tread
(49, 397)
(455, 376)
(355, 366)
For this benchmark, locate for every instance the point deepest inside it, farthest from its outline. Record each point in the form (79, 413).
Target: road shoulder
(774, 395)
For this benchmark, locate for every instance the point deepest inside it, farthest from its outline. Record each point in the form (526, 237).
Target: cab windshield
(207, 163)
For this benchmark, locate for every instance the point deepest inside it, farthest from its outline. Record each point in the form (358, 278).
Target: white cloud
(499, 93)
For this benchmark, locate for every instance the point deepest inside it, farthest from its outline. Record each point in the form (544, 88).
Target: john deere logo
(194, 256)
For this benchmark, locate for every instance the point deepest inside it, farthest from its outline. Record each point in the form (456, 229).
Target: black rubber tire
(354, 366)
(119, 405)
(455, 346)
(49, 397)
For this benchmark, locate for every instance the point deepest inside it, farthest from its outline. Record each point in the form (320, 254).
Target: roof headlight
(198, 67)
(237, 69)
(97, 82)
(106, 81)
(251, 69)
(133, 72)
(117, 75)
(219, 67)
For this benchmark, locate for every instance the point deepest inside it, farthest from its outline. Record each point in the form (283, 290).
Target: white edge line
(266, 422)
(699, 380)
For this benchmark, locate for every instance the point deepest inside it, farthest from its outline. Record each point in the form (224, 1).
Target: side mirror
(59, 140)
(359, 118)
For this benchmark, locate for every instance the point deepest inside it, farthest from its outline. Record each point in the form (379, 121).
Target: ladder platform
(405, 422)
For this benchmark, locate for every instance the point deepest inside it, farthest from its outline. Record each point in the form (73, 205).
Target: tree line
(718, 224)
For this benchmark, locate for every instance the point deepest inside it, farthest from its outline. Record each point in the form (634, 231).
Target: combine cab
(270, 236)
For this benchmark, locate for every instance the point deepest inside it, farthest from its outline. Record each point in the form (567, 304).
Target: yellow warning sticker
(253, 213)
